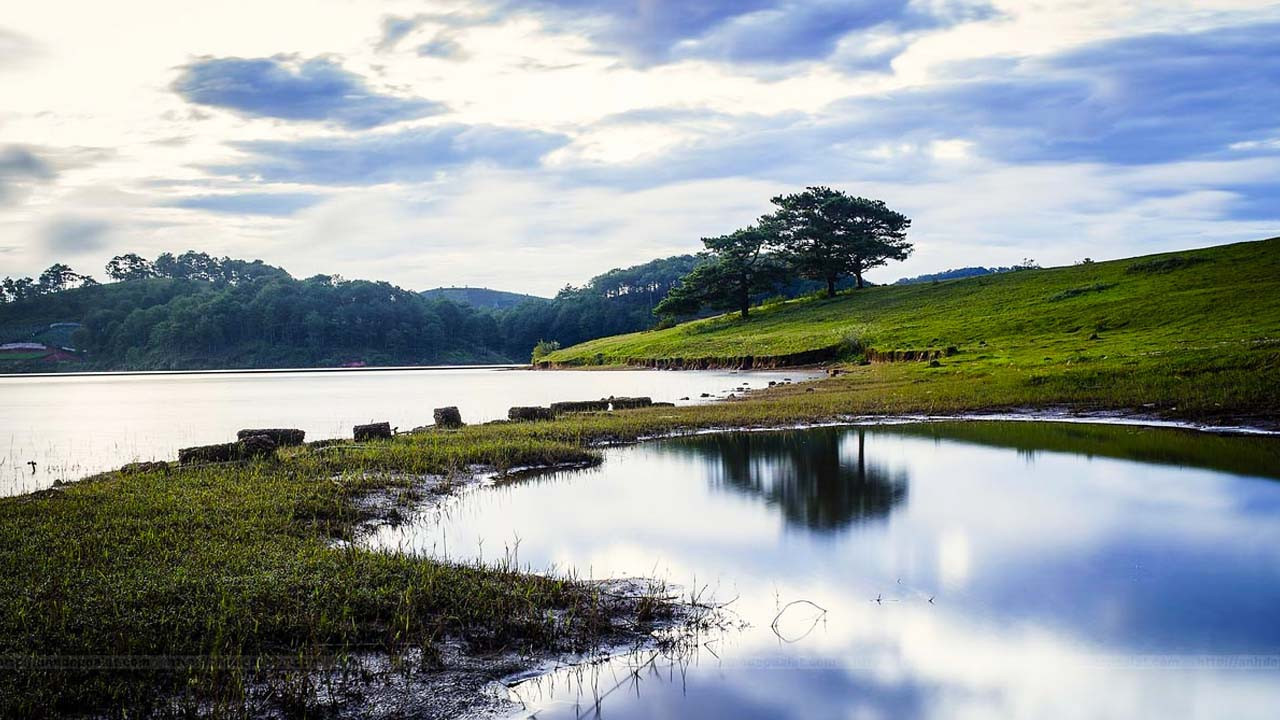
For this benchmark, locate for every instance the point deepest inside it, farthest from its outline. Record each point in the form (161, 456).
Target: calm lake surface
(979, 569)
(72, 426)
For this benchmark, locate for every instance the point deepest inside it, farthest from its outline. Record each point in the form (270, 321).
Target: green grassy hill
(1196, 299)
(1186, 333)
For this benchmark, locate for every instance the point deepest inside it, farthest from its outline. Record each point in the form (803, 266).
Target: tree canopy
(737, 268)
(820, 234)
(826, 234)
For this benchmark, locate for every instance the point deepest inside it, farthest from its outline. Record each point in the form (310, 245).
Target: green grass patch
(216, 572)
(1221, 311)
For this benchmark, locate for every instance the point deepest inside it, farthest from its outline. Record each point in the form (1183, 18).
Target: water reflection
(820, 479)
(1073, 571)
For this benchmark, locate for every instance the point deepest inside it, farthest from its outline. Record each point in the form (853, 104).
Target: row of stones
(260, 442)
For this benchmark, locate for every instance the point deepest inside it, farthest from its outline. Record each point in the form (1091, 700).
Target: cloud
(253, 203)
(443, 46)
(19, 167)
(15, 48)
(740, 31)
(1153, 98)
(412, 155)
(317, 89)
(1132, 101)
(508, 228)
(394, 29)
(68, 236)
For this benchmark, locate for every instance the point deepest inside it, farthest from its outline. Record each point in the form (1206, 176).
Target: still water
(941, 570)
(72, 426)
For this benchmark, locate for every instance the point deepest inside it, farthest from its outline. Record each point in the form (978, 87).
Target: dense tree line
(619, 301)
(192, 311)
(57, 278)
(820, 234)
(190, 265)
(966, 272)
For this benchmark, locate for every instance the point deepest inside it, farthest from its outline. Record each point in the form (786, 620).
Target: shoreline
(260, 371)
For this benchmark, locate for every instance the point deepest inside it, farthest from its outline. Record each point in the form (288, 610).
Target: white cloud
(124, 148)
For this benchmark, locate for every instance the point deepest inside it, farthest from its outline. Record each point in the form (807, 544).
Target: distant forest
(965, 272)
(195, 311)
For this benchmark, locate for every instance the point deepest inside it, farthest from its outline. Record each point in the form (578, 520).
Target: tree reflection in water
(821, 479)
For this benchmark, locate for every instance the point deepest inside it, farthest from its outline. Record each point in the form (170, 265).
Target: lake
(936, 570)
(75, 425)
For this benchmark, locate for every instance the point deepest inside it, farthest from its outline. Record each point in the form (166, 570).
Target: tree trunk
(859, 276)
(831, 286)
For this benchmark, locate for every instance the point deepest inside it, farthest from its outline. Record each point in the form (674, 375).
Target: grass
(1217, 308)
(214, 571)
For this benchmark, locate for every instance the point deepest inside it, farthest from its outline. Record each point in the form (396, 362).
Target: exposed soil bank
(807, 358)
(456, 681)
(745, 362)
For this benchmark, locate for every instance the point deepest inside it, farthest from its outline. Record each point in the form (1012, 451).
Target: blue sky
(523, 145)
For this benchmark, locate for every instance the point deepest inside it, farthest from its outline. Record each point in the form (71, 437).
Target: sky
(526, 145)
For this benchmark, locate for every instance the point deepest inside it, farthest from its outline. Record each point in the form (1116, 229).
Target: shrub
(544, 348)
(1164, 264)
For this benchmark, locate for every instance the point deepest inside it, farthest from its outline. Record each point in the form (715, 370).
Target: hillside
(1206, 319)
(1227, 294)
(479, 297)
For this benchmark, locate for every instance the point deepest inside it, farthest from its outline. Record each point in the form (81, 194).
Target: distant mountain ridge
(479, 297)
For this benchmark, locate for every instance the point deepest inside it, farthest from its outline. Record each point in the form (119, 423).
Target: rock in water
(281, 436)
(570, 406)
(629, 403)
(222, 452)
(372, 431)
(448, 417)
(256, 446)
(530, 413)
